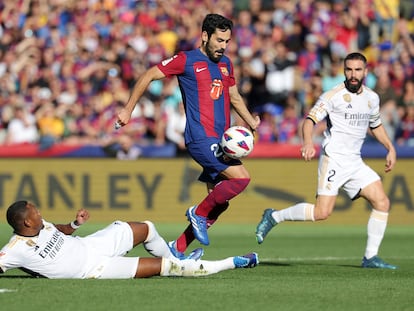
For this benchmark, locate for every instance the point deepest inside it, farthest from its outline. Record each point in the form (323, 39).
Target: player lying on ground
(44, 249)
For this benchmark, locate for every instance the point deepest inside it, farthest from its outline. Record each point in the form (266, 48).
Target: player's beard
(210, 53)
(353, 88)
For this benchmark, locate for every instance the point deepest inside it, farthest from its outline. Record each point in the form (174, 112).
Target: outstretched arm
(381, 135)
(139, 88)
(81, 217)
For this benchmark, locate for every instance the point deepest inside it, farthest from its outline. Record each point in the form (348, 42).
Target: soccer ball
(237, 142)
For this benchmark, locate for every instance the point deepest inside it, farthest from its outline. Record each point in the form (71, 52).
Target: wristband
(74, 225)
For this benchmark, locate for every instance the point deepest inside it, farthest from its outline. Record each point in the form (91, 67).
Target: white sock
(191, 267)
(377, 224)
(298, 212)
(155, 244)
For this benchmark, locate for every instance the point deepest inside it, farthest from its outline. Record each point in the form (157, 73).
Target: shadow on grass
(285, 264)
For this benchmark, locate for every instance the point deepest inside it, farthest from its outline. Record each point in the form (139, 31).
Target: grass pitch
(302, 267)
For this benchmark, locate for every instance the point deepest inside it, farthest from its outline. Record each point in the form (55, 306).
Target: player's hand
(82, 216)
(123, 118)
(390, 160)
(308, 151)
(256, 123)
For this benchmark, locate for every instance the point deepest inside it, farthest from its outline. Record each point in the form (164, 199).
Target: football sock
(224, 191)
(298, 212)
(215, 213)
(191, 267)
(155, 244)
(377, 224)
(187, 236)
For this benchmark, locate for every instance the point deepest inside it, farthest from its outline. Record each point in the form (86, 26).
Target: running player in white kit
(47, 250)
(350, 109)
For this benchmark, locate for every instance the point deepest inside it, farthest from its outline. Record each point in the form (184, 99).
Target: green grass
(303, 267)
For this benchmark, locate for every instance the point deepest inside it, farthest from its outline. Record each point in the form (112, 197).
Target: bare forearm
(381, 135)
(307, 131)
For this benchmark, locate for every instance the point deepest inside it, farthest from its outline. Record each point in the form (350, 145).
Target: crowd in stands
(67, 66)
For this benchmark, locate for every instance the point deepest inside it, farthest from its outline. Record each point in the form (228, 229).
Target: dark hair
(355, 56)
(215, 21)
(16, 214)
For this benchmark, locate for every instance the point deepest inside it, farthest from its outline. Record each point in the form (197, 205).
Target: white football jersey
(51, 254)
(348, 117)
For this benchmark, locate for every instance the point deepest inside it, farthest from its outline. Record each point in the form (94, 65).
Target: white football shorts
(107, 249)
(352, 176)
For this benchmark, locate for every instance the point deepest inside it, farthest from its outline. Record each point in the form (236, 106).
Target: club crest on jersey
(347, 98)
(216, 89)
(369, 105)
(224, 71)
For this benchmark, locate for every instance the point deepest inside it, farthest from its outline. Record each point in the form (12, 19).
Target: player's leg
(233, 177)
(299, 212)
(146, 233)
(328, 185)
(194, 268)
(187, 237)
(223, 192)
(137, 267)
(377, 224)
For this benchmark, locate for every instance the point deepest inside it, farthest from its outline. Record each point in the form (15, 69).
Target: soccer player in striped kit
(209, 91)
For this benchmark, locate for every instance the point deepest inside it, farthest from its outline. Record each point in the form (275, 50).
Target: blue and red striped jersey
(204, 86)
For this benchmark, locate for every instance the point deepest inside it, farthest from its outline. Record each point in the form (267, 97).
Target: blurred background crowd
(67, 66)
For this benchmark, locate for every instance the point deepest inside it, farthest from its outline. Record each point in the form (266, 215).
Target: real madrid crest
(347, 98)
(369, 105)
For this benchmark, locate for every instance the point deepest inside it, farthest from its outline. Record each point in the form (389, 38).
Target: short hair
(16, 213)
(216, 21)
(356, 56)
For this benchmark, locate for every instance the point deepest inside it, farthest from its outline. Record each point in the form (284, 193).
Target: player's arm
(308, 149)
(154, 73)
(381, 135)
(240, 107)
(81, 217)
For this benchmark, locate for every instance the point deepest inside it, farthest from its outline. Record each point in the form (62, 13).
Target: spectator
(289, 124)
(407, 97)
(280, 75)
(51, 126)
(22, 127)
(175, 127)
(405, 132)
(334, 77)
(128, 150)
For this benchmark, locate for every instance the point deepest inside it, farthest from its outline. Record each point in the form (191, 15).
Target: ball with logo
(237, 142)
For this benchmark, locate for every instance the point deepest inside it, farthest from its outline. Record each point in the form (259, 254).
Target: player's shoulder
(370, 93)
(333, 92)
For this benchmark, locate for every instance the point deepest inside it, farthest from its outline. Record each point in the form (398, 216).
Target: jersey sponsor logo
(216, 89)
(200, 69)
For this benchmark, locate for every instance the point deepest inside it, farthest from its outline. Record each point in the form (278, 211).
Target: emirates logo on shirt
(216, 89)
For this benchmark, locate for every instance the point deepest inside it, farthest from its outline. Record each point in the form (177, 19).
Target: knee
(382, 205)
